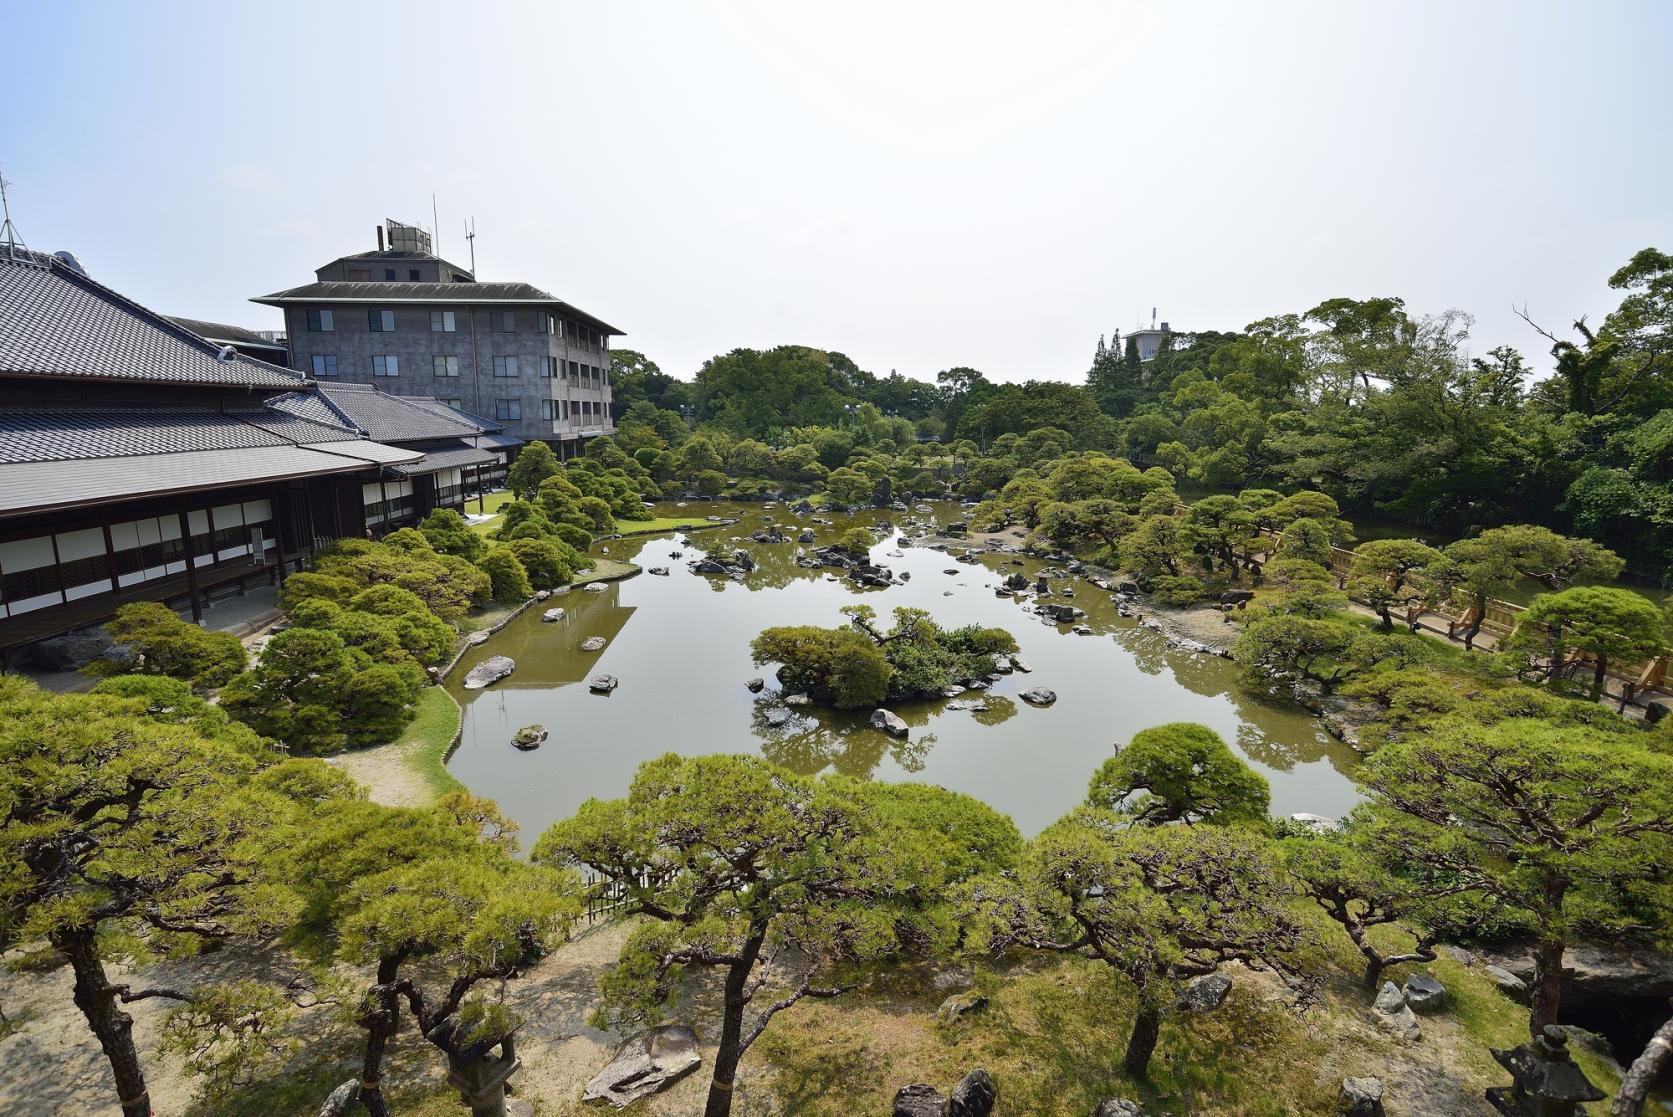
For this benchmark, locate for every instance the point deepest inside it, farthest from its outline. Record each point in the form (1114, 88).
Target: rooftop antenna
(9, 236)
(435, 223)
(470, 235)
(1153, 318)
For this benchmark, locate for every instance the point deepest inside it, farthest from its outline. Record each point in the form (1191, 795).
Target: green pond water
(680, 647)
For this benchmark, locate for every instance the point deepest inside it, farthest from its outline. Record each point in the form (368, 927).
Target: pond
(680, 647)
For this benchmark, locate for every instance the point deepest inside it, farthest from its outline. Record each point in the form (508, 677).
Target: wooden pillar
(191, 566)
(281, 509)
(110, 559)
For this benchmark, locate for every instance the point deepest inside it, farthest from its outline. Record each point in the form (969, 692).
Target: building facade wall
(578, 389)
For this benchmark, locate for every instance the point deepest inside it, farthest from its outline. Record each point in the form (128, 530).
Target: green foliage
(314, 693)
(1178, 592)
(1154, 547)
(1283, 646)
(856, 541)
(448, 585)
(535, 462)
(1180, 772)
(1403, 573)
(548, 563)
(164, 644)
(449, 534)
(505, 571)
(732, 862)
(848, 487)
(1609, 625)
(1567, 826)
(839, 666)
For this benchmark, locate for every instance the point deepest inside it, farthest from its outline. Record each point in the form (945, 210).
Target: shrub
(597, 510)
(709, 482)
(1177, 591)
(510, 581)
(449, 534)
(547, 562)
(163, 644)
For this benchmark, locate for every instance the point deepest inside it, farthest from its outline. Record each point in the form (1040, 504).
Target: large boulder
(776, 717)
(553, 615)
(1596, 975)
(889, 722)
(919, 1100)
(593, 644)
(1394, 1016)
(1038, 696)
(602, 684)
(73, 650)
(1509, 984)
(489, 672)
(1118, 1107)
(644, 1064)
(973, 1096)
(1360, 1097)
(1425, 994)
(756, 685)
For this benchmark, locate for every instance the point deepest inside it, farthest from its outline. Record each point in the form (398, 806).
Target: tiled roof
(33, 487)
(445, 457)
(450, 412)
(56, 322)
(383, 417)
(499, 441)
(222, 332)
(298, 428)
(49, 434)
(394, 293)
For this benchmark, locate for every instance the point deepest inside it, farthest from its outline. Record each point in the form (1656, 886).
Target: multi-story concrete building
(408, 322)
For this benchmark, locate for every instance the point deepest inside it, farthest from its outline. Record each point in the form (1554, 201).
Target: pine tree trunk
(113, 1027)
(1141, 1045)
(1635, 1087)
(1599, 674)
(1547, 992)
(381, 1020)
(730, 1049)
(1373, 971)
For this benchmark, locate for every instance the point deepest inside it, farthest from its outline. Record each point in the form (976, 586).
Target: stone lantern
(476, 1071)
(1547, 1081)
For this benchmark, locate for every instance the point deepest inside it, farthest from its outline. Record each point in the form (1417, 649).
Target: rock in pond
(797, 700)
(1038, 696)
(973, 1096)
(489, 672)
(1317, 823)
(552, 616)
(755, 685)
(529, 737)
(1360, 1097)
(959, 1004)
(477, 639)
(644, 1064)
(595, 587)
(919, 1100)
(1020, 664)
(889, 722)
(602, 684)
(777, 717)
(593, 644)
(1424, 994)
(659, 571)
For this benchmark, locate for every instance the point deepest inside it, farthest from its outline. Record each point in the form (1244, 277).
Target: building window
(575, 370)
(546, 367)
(441, 321)
(505, 321)
(389, 274)
(319, 321)
(360, 275)
(508, 409)
(454, 402)
(386, 366)
(380, 321)
(325, 364)
(548, 409)
(505, 366)
(563, 411)
(414, 274)
(446, 366)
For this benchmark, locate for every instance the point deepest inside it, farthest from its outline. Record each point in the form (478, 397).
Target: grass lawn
(660, 523)
(426, 739)
(491, 504)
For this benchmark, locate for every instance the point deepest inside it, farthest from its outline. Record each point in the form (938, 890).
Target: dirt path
(387, 773)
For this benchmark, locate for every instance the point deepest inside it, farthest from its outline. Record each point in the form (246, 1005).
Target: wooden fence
(607, 896)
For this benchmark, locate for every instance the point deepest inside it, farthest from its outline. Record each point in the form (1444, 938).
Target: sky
(919, 185)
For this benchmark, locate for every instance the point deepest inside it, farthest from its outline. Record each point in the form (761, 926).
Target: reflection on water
(680, 646)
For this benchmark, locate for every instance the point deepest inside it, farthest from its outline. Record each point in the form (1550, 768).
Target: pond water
(680, 647)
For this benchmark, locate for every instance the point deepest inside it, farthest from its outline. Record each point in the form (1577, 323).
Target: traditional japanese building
(140, 460)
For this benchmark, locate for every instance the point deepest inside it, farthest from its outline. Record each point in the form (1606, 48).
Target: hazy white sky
(920, 185)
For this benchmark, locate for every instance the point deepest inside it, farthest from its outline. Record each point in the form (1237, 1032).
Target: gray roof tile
(383, 417)
(359, 291)
(56, 322)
